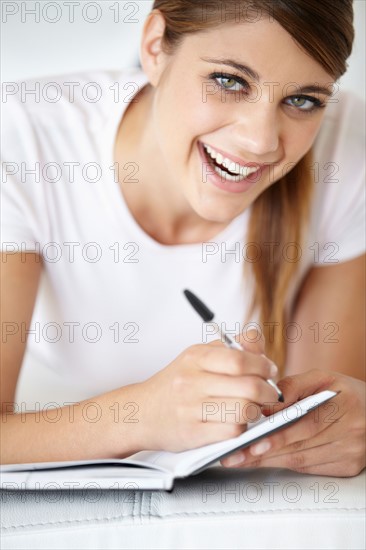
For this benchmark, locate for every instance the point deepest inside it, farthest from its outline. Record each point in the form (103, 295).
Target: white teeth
(240, 172)
(225, 176)
(233, 167)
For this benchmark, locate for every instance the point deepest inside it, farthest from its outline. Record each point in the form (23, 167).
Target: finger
(333, 469)
(228, 410)
(217, 343)
(292, 460)
(231, 361)
(255, 347)
(201, 433)
(253, 388)
(235, 460)
(252, 339)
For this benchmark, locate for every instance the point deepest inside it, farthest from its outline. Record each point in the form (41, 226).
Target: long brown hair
(324, 29)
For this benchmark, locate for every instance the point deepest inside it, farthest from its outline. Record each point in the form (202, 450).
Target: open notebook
(147, 469)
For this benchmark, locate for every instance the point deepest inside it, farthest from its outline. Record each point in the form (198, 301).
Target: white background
(34, 49)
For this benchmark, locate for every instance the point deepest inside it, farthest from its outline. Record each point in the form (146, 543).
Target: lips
(237, 160)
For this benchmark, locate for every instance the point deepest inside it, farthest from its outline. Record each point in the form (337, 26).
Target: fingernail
(273, 367)
(260, 448)
(274, 370)
(234, 460)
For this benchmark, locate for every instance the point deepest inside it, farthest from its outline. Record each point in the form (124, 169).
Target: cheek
(185, 120)
(209, 119)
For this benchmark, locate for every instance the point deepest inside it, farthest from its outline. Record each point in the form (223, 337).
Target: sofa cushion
(218, 508)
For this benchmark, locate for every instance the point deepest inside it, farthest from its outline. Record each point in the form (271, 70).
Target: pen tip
(281, 399)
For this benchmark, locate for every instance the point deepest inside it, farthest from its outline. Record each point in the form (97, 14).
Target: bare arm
(19, 284)
(332, 303)
(67, 433)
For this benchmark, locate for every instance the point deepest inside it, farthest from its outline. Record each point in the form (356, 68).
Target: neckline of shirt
(116, 204)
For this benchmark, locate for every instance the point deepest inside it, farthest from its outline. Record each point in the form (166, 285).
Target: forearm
(101, 427)
(338, 357)
(330, 321)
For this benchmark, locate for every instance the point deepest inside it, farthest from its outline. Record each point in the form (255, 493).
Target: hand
(202, 396)
(328, 441)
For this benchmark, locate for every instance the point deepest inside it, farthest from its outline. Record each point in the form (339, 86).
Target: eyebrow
(314, 88)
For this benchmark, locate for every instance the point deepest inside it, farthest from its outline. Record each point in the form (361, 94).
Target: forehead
(264, 45)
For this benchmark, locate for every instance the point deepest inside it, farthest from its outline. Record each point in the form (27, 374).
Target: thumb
(299, 386)
(302, 385)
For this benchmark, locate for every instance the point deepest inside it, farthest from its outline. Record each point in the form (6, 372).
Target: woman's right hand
(207, 394)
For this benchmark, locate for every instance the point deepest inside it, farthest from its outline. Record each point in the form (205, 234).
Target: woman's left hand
(328, 441)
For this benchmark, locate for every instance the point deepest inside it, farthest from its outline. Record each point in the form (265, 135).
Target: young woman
(231, 165)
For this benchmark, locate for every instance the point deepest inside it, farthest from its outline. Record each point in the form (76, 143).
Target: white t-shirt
(110, 309)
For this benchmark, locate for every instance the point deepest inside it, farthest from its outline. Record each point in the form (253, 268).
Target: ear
(153, 59)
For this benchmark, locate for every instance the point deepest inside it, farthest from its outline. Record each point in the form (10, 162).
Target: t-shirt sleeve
(338, 232)
(24, 217)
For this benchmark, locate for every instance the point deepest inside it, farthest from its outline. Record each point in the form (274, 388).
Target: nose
(257, 129)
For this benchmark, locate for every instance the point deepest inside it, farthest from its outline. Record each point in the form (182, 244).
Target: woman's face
(256, 121)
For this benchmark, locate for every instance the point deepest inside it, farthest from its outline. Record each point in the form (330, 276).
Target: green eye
(305, 103)
(229, 83)
(299, 101)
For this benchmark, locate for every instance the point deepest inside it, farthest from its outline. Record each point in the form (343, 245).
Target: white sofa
(219, 508)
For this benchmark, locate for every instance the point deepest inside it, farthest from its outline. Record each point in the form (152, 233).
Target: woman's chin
(214, 213)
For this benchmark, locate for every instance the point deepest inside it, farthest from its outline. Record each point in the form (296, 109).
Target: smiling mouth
(226, 168)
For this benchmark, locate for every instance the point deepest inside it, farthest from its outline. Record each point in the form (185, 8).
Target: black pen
(207, 317)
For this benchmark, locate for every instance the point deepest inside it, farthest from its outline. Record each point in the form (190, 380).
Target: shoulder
(41, 111)
(339, 149)
(86, 96)
(341, 137)
(338, 209)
